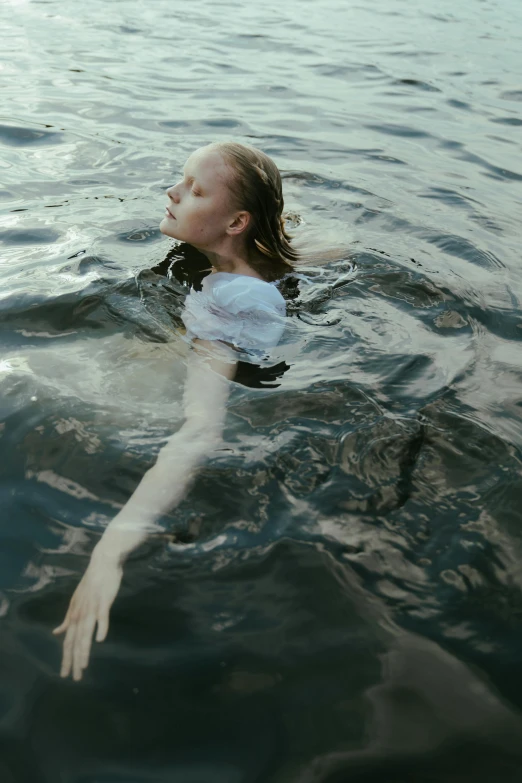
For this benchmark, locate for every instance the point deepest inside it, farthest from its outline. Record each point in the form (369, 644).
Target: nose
(173, 193)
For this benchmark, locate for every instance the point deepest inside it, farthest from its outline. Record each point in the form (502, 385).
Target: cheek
(207, 219)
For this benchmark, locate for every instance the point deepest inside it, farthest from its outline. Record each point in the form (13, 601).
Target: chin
(166, 228)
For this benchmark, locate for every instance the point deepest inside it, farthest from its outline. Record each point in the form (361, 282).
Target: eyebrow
(190, 179)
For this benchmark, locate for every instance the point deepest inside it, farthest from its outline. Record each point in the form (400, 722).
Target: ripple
(42, 236)
(464, 248)
(398, 130)
(22, 135)
(420, 85)
(511, 95)
(514, 121)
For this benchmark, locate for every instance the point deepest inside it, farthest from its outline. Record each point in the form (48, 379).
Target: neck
(232, 263)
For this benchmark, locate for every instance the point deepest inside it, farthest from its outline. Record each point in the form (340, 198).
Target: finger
(63, 627)
(103, 625)
(76, 660)
(76, 656)
(83, 644)
(66, 620)
(67, 651)
(77, 671)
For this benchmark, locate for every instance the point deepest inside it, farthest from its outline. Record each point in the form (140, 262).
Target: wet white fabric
(244, 311)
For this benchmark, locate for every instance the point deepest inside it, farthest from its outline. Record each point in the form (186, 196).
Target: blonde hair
(258, 189)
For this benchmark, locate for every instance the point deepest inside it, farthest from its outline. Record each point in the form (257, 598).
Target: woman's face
(200, 207)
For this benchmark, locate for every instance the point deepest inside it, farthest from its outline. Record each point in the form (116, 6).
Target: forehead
(208, 166)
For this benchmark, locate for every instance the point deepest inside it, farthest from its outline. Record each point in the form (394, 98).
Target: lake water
(341, 595)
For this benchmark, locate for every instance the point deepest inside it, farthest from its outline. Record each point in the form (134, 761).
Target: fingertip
(76, 669)
(63, 626)
(102, 630)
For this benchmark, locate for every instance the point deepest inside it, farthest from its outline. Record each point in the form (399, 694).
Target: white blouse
(244, 311)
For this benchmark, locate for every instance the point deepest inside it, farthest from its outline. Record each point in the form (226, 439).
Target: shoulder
(240, 293)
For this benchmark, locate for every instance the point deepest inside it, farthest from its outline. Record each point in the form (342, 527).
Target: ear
(239, 224)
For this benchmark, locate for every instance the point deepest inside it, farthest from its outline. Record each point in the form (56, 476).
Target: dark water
(340, 598)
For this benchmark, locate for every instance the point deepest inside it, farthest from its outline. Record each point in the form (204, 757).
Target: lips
(169, 213)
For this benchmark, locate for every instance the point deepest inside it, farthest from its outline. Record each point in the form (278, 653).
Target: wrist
(108, 552)
(119, 539)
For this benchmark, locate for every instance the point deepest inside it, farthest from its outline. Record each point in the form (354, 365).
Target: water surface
(339, 597)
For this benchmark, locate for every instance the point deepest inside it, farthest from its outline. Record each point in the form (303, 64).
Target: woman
(229, 206)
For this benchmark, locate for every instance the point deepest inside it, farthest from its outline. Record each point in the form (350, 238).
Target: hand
(90, 604)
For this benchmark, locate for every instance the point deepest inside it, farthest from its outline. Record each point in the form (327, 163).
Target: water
(340, 598)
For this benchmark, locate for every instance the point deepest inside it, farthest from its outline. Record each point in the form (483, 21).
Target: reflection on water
(339, 596)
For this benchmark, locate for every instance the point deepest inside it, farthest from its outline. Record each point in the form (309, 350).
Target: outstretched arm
(211, 367)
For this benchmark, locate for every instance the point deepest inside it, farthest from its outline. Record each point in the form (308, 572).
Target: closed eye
(195, 191)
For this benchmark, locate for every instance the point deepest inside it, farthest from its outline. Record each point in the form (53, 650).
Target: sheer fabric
(243, 311)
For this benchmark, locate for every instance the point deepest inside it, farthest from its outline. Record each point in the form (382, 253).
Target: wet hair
(257, 188)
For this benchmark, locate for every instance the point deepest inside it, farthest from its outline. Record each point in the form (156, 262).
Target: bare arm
(211, 367)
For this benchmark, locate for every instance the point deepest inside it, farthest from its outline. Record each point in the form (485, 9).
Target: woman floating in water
(229, 206)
